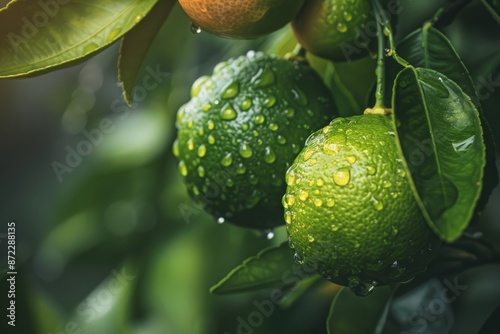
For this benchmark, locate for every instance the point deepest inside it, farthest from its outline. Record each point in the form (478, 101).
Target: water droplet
(396, 270)
(227, 160)
(221, 220)
(297, 258)
(253, 179)
(281, 140)
(341, 27)
(308, 153)
(229, 183)
(290, 178)
(320, 182)
(401, 173)
(295, 148)
(201, 171)
(259, 119)
(210, 124)
(211, 139)
(113, 35)
(334, 227)
(299, 96)
(246, 104)
(196, 191)
(231, 89)
(289, 112)
(351, 159)
(318, 202)
(386, 184)
(290, 243)
(190, 144)
(303, 195)
(376, 204)
(360, 288)
(342, 176)
(268, 234)
(347, 16)
(245, 150)
(263, 78)
(183, 168)
(90, 47)
(330, 202)
(288, 217)
(394, 231)
(227, 112)
(194, 28)
(290, 199)
(220, 66)
(269, 155)
(202, 150)
(175, 148)
(270, 101)
(273, 126)
(310, 238)
(241, 169)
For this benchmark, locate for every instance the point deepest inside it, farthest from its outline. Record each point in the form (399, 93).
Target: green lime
(336, 29)
(350, 210)
(241, 131)
(241, 19)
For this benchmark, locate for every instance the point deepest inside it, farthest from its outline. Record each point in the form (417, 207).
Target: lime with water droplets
(352, 213)
(241, 131)
(336, 29)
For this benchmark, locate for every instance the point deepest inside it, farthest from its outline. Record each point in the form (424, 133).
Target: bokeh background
(116, 246)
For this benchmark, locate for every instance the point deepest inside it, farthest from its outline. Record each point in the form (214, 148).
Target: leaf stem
(380, 70)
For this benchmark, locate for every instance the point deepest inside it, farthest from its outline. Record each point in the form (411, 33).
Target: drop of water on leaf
(245, 150)
(341, 27)
(220, 220)
(269, 155)
(227, 160)
(201, 171)
(182, 168)
(268, 234)
(360, 288)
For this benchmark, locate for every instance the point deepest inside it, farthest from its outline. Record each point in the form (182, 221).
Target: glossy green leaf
(270, 268)
(352, 314)
(344, 100)
(440, 136)
(429, 48)
(135, 45)
(39, 36)
(494, 8)
(492, 324)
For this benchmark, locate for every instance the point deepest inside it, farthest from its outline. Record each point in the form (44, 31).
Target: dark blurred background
(113, 244)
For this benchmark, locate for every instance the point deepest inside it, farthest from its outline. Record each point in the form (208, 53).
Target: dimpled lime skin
(329, 28)
(349, 207)
(242, 129)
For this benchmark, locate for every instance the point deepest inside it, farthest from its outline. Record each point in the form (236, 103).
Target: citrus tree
(351, 134)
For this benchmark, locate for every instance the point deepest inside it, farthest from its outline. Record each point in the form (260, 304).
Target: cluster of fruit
(261, 133)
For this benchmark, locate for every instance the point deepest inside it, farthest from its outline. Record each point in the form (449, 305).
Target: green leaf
(494, 7)
(440, 136)
(344, 100)
(40, 36)
(428, 47)
(135, 45)
(270, 268)
(352, 314)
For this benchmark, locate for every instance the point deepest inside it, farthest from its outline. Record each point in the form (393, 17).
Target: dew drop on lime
(330, 202)
(310, 238)
(229, 183)
(347, 16)
(335, 227)
(295, 148)
(269, 155)
(290, 243)
(318, 202)
(175, 148)
(299, 96)
(350, 159)
(201, 171)
(259, 119)
(297, 258)
(183, 168)
(246, 104)
(270, 101)
(221, 220)
(288, 217)
(320, 182)
(210, 124)
(341, 27)
(231, 90)
(281, 140)
(308, 153)
(190, 144)
(371, 170)
(303, 195)
(211, 139)
(195, 88)
(194, 28)
(377, 204)
(253, 179)
(241, 169)
(386, 184)
(289, 112)
(227, 160)
(202, 150)
(342, 176)
(273, 127)
(245, 150)
(290, 178)
(360, 288)
(263, 78)
(227, 112)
